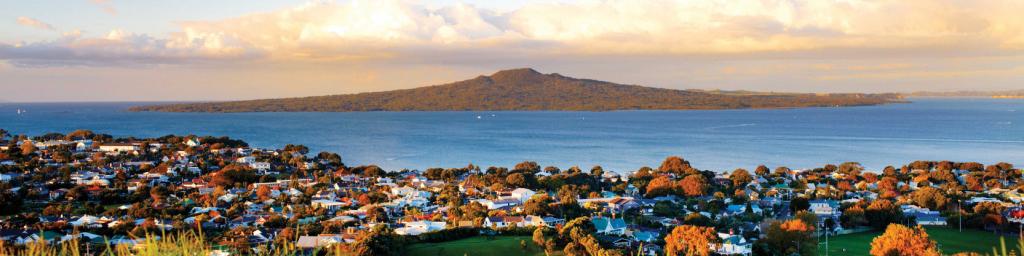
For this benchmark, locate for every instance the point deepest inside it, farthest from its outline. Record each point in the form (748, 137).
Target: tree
(853, 216)
(694, 185)
(740, 177)
(660, 186)
(576, 229)
(539, 205)
(790, 237)
(901, 240)
(232, 174)
(520, 180)
(527, 166)
(675, 164)
(538, 236)
(762, 171)
(379, 241)
(28, 148)
(930, 198)
(881, 212)
(263, 192)
(799, 204)
(690, 240)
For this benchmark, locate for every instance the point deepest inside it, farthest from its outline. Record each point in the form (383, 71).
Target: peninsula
(527, 89)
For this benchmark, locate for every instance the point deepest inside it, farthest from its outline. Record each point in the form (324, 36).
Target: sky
(197, 50)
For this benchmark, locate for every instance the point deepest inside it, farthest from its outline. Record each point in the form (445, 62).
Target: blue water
(983, 130)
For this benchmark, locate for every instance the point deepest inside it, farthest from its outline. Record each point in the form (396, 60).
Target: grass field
(950, 241)
(499, 246)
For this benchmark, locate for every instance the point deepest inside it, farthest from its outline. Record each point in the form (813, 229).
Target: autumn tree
(538, 236)
(694, 185)
(901, 240)
(660, 186)
(539, 205)
(690, 240)
(881, 212)
(675, 164)
(740, 177)
(853, 216)
(28, 148)
(930, 198)
(762, 171)
(381, 240)
(263, 192)
(790, 237)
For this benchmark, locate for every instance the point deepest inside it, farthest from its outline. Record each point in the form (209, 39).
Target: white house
(328, 204)
(246, 160)
(504, 221)
(119, 147)
(824, 207)
(420, 227)
(522, 194)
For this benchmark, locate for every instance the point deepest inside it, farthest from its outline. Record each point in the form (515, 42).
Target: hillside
(527, 89)
(997, 94)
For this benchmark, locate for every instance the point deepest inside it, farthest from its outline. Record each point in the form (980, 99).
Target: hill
(995, 94)
(527, 89)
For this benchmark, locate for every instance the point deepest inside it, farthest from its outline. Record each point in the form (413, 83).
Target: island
(86, 193)
(528, 90)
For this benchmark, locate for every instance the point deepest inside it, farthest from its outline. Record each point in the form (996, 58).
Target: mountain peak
(518, 73)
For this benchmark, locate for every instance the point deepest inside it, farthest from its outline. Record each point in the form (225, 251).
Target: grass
(950, 241)
(480, 245)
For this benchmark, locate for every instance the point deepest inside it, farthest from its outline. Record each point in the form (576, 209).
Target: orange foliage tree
(690, 240)
(694, 185)
(902, 240)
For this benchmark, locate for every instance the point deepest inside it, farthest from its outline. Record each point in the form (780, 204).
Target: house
(504, 221)
(537, 221)
(420, 227)
(322, 240)
(246, 160)
(119, 147)
(609, 226)
(733, 245)
(923, 216)
(192, 143)
(491, 205)
(522, 194)
(734, 209)
(824, 207)
(330, 205)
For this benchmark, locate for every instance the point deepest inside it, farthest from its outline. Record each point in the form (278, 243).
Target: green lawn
(499, 246)
(950, 241)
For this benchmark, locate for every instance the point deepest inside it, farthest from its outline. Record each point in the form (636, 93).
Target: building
(119, 147)
(609, 226)
(330, 205)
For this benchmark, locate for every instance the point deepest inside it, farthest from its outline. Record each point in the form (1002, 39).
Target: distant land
(527, 89)
(992, 94)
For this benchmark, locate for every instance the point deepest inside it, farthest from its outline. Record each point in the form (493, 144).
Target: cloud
(30, 22)
(105, 5)
(404, 31)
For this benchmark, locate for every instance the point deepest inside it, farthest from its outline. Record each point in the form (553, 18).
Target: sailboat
(20, 111)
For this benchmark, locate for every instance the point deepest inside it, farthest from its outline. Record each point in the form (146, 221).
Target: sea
(957, 129)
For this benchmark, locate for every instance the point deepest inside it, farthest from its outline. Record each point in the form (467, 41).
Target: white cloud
(395, 30)
(26, 21)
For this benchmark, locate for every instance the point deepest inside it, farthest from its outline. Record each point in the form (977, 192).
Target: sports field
(498, 246)
(950, 241)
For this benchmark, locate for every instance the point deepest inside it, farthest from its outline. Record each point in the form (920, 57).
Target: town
(97, 194)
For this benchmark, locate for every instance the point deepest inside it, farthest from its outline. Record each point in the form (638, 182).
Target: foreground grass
(950, 241)
(498, 246)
